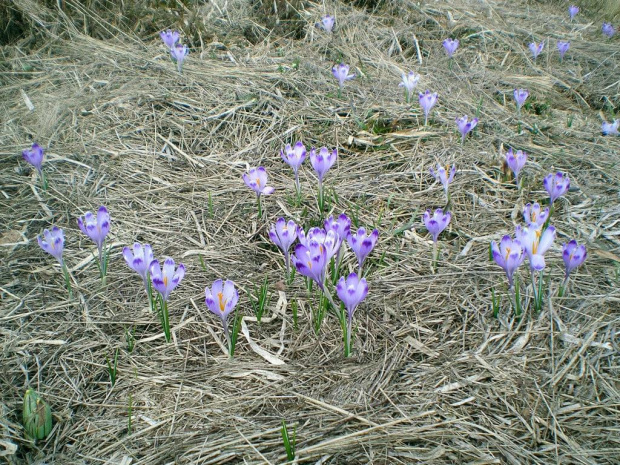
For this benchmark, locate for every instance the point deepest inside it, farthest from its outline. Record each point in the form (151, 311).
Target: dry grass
(433, 377)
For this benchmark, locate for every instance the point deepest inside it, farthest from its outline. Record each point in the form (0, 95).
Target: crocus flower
(283, 235)
(221, 300)
(441, 174)
(574, 255)
(409, 82)
(509, 255)
(256, 179)
(536, 242)
(311, 261)
(465, 126)
(534, 217)
(427, 102)
(608, 30)
(294, 157)
(322, 161)
(327, 23)
(556, 185)
(139, 260)
(340, 225)
(521, 96)
(362, 245)
(536, 49)
(166, 279)
(96, 227)
(341, 72)
(450, 46)
(516, 162)
(351, 291)
(330, 241)
(179, 52)
(170, 38)
(34, 156)
(572, 11)
(53, 242)
(436, 223)
(563, 48)
(610, 129)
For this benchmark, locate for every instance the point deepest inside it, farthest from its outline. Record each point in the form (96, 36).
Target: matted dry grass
(433, 377)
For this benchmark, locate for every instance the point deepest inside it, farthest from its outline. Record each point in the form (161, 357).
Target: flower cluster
(178, 51)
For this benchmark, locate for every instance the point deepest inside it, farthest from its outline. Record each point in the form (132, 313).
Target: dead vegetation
(433, 377)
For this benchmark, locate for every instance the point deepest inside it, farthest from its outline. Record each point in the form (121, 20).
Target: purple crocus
(441, 175)
(610, 129)
(221, 300)
(256, 179)
(34, 156)
(327, 23)
(283, 235)
(450, 45)
(53, 242)
(409, 82)
(536, 242)
(436, 223)
(311, 260)
(509, 255)
(521, 96)
(563, 48)
(572, 11)
(170, 38)
(608, 30)
(574, 255)
(96, 227)
(465, 126)
(534, 216)
(322, 162)
(536, 49)
(427, 102)
(166, 279)
(516, 162)
(340, 225)
(351, 291)
(341, 72)
(179, 52)
(556, 185)
(362, 245)
(329, 240)
(139, 260)
(294, 157)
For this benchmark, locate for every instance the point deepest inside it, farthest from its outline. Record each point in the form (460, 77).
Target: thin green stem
(65, 272)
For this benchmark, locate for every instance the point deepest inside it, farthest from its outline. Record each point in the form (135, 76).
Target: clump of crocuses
(164, 280)
(221, 300)
(341, 72)
(351, 291)
(427, 100)
(256, 179)
(34, 156)
(97, 228)
(53, 242)
(177, 51)
(409, 82)
(465, 126)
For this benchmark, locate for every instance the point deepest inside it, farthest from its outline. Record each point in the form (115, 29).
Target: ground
(434, 377)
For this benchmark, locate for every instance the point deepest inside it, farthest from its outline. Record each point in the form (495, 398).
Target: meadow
(435, 355)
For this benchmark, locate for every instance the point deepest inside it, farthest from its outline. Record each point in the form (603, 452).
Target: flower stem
(227, 333)
(347, 344)
(165, 319)
(65, 272)
(260, 209)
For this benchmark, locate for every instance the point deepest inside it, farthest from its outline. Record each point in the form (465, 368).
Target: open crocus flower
(436, 223)
(608, 30)
(362, 245)
(536, 49)
(536, 242)
(450, 45)
(170, 38)
(509, 255)
(409, 82)
(311, 260)
(427, 102)
(465, 126)
(96, 227)
(329, 240)
(166, 279)
(441, 175)
(516, 162)
(341, 72)
(351, 291)
(283, 235)
(34, 156)
(534, 217)
(573, 255)
(563, 48)
(572, 11)
(610, 129)
(327, 23)
(521, 96)
(221, 300)
(139, 260)
(179, 52)
(294, 157)
(556, 185)
(53, 242)
(256, 179)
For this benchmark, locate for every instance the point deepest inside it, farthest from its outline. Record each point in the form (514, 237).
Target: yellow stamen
(166, 281)
(507, 252)
(310, 264)
(258, 182)
(220, 297)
